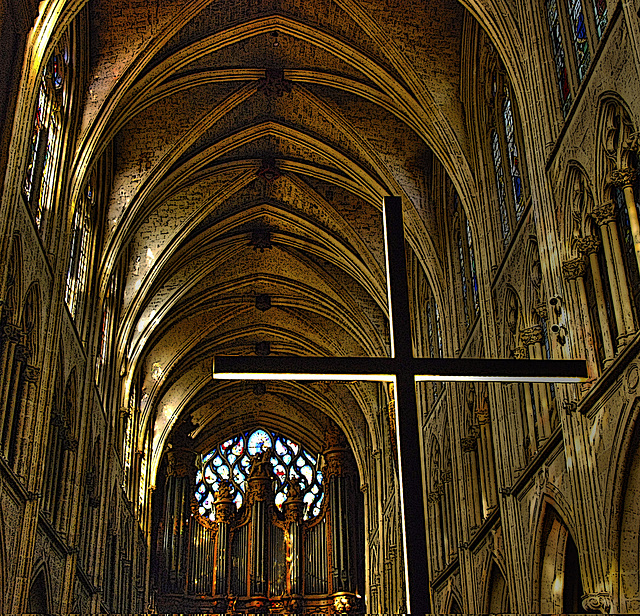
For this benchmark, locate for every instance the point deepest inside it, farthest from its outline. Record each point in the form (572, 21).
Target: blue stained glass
(280, 473)
(558, 54)
(280, 448)
(579, 33)
(307, 472)
(501, 186)
(230, 461)
(259, 441)
(237, 449)
(512, 149)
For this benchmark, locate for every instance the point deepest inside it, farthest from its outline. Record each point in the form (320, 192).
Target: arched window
(46, 134)
(467, 267)
(576, 25)
(77, 269)
(231, 461)
(506, 153)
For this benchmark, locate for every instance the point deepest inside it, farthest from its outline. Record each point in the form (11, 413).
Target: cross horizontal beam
(386, 369)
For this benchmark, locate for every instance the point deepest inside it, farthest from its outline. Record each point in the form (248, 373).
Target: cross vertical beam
(408, 425)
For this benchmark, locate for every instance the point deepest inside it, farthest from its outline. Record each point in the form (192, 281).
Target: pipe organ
(266, 529)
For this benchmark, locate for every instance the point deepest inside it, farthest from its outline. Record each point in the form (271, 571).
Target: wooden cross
(403, 369)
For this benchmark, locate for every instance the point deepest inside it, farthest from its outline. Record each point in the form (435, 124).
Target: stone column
(574, 271)
(532, 337)
(440, 535)
(605, 217)
(20, 359)
(10, 337)
(469, 446)
(522, 353)
(449, 512)
(70, 448)
(486, 450)
(24, 438)
(625, 178)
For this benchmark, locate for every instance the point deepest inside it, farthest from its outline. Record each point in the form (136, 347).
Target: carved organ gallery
(260, 524)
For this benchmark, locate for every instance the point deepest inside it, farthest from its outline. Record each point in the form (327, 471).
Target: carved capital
(11, 333)
(623, 177)
(597, 602)
(604, 213)
(469, 443)
(434, 496)
(447, 477)
(22, 354)
(588, 245)
(520, 353)
(31, 374)
(541, 310)
(575, 268)
(531, 335)
(70, 443)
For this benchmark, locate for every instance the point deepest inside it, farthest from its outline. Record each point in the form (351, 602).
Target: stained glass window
(512, 151)
(45, 136)
(558, 54)
(232, 461)
(600, 10)
(78, 259)
(579, 33)
(500, 182)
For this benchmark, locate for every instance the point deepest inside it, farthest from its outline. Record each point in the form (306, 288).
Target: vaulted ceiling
(252, 143)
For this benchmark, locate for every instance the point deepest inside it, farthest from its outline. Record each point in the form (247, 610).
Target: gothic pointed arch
(39, 598)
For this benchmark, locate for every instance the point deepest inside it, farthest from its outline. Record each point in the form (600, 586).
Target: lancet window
(80, 245)
(578, 24)
(508, 166)
(467, 267)
(46, 134)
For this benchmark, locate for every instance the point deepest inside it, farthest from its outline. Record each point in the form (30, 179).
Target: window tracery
(77, 269)
(232, 461)
(46, 134)
(582, 24)
(508, 173)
